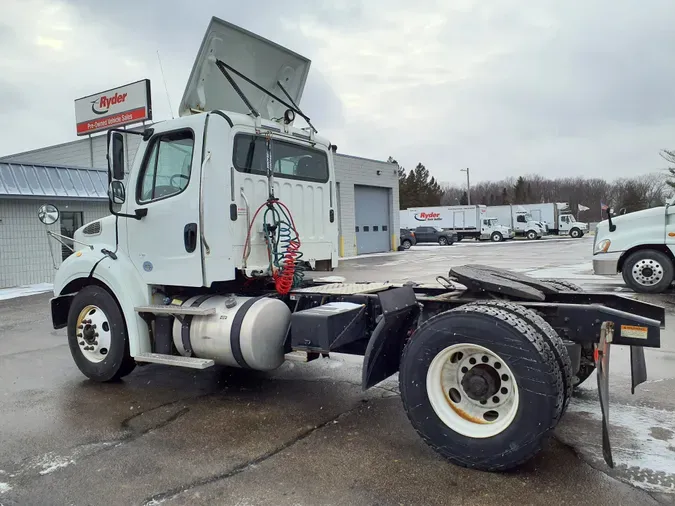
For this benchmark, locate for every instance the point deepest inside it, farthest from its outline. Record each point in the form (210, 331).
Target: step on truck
(214, 252)
(467, 222)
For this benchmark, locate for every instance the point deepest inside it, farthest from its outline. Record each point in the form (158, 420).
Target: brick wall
(24, 245)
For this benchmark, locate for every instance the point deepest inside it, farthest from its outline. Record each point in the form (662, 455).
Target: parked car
(435, 234)
(407, 238)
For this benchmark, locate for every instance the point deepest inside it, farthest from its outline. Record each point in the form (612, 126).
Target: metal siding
(22, 180)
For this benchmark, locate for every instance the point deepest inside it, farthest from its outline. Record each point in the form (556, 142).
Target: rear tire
(496, 237)
(99, 363)
(507, 339)
(406, 244)
(648, 271)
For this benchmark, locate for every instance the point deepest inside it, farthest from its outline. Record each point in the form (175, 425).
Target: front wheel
(481, 386)
(97, 335)
(648, 271)
(496, 237)
(531, 235)
(443, 241)
(575, 233)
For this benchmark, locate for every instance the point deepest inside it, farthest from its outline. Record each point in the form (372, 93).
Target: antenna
(168, 98)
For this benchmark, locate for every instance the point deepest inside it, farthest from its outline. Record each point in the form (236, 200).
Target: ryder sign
(113, 108)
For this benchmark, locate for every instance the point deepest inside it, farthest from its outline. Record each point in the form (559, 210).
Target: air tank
(247, 332)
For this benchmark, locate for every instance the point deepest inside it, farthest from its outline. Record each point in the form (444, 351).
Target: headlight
(603, 246)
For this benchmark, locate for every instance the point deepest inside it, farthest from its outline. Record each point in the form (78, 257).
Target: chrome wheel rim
(93, 333)
(647, 272)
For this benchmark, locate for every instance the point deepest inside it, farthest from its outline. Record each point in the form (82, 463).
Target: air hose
(283, 245)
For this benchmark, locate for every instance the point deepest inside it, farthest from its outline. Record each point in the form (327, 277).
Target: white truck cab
(640, 246)
(526, 225)
(491, 229)
(568, 225)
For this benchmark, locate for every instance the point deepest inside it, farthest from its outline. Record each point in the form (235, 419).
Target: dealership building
(73, 176)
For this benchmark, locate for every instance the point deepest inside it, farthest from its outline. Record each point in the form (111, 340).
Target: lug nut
(93, 326)
(95, 343)
(80, 326)
(96, 334)
(81, 343)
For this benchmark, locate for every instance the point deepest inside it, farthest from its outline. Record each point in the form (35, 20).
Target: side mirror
(622, 211)
(117, 156)
(117, 192)
(48, 214)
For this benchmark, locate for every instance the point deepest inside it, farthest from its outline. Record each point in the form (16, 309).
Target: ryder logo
(428, 216)
(102, 104)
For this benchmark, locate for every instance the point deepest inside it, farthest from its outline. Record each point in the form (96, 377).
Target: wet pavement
(307, 434)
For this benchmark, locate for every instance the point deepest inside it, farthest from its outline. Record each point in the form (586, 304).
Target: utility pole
(468, 186)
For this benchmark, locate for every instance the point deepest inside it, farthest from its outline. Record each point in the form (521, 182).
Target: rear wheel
(496, 237)
(648, 271)
(406, 244)
(531, 235)
(97, 335)
(481, 386)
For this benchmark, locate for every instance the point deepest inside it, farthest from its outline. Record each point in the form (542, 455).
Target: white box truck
(201, 263)
(557, 217)
(466, 221)
(518, 219)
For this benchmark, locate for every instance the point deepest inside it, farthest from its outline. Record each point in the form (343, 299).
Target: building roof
(25, 180)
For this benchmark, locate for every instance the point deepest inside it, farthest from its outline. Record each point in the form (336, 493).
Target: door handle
(190, 237)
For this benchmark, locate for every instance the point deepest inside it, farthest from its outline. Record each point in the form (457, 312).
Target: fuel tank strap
(187, 322)
(235, 331)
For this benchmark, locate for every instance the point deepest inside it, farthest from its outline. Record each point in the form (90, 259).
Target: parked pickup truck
(434, 234)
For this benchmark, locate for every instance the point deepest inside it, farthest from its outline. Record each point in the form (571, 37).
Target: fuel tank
(247, 332)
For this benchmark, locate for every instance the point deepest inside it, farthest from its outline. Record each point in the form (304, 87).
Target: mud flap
(602, 368)
(638, 367)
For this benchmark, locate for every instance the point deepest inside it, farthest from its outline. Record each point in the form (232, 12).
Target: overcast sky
(505, 87)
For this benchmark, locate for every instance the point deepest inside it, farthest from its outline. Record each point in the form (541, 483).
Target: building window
(70, 222)
(376, 228)
(384, 228)
(366, 229)
(166, 171)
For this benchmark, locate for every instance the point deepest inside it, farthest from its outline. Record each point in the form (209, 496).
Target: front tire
(443, 241)
(496, 237)
(575, 233)
(97, 335)
(531, 235)
(648, 271)
(504, 394)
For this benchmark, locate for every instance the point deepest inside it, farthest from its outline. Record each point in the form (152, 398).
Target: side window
(166, 170)
(564, 219)
(521, 219)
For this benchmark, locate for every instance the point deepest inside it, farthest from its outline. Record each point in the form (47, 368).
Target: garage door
(373, 228)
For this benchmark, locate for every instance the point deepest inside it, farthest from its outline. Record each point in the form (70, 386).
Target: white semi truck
(203, 261)
(468, 222)
(558, 218)
(640, 246)
(518, 219)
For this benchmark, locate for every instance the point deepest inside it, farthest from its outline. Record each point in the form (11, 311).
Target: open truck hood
(259, 59)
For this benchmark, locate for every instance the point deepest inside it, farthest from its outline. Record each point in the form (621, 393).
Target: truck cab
(568, 225)
(525, 224)
(491, 229)
(640, 246)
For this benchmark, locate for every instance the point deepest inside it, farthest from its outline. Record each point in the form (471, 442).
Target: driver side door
(164, 245)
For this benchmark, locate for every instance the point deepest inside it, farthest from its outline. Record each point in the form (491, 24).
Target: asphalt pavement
(307, 434)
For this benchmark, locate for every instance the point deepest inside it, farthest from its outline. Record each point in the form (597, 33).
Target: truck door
(564, 224)
(458, 219)
(521, 222)
(164, 245)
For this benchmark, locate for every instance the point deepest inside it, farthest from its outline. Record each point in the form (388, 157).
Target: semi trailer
(468, 222)
(213, 254)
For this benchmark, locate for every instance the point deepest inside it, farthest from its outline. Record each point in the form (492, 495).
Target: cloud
(510, 87)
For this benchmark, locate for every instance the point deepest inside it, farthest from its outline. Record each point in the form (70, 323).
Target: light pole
(468, 186)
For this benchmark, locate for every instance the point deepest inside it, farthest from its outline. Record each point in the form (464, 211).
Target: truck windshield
(289, 160)
(572, 218)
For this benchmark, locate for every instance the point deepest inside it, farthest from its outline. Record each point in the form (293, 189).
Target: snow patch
(4, 487)
(640, 458)
(51, 463)
(25, 290)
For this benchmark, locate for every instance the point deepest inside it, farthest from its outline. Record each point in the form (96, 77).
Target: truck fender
(399, 318)
(119, 276)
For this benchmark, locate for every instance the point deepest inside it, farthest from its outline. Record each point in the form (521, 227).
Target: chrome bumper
(606, 264)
